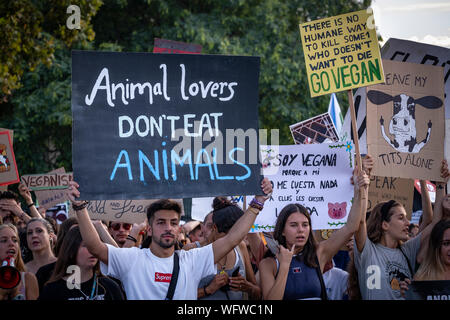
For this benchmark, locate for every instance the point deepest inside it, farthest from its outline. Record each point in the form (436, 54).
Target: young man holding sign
(147, 274)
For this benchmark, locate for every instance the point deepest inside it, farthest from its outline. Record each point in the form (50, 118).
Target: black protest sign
(149, 126)
(428, 290)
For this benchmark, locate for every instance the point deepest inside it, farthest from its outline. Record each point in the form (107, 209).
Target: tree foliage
(40, 112)
(28, 31)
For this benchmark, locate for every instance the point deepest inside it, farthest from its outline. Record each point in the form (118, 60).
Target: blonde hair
(18, 260)
(433, 268)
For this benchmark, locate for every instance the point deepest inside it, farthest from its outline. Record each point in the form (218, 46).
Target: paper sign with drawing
(316, 176)
(405, 127)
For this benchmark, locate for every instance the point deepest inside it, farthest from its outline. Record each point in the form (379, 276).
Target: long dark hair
(63, 229)
(309, 250)
(68, 255)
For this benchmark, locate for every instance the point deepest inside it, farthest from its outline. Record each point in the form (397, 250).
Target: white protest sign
(316, 176)
(202, 206)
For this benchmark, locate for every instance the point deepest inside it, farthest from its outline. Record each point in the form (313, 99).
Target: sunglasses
(116, 226)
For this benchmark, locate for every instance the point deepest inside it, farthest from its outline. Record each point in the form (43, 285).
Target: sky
(426, 21)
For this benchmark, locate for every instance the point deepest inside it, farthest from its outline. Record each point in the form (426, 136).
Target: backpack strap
(174, 278)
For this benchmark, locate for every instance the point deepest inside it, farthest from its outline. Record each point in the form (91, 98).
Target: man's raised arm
(87, 229)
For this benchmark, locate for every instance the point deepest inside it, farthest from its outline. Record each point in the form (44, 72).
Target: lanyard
(93, 287)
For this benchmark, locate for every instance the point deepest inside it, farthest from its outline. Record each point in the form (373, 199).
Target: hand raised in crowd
(266, 187)
(136, 232)
(445, 173)
(73, 193)
(362, 179)
(25, 193)
(367, 164)
(138, 228)
(14, 208)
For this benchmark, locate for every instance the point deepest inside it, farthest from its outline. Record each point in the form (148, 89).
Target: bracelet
(253, 210)
(256, 204)
(30, 205)
(204, 290)
(129, 237)
(81, 206)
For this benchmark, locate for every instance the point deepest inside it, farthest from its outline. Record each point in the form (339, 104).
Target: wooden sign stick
(355, 135)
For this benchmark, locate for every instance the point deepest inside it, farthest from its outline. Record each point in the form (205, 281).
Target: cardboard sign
(11, 135)
(383, 189)
(164, 125)
(51, 198)
(170, 46)
(49, 181)
(131, 211)
(341, 53)
(315, 130)
(428, 290)
(316, 176)
(405, 51)
(417, 52)
(405, 127)
(8, 167)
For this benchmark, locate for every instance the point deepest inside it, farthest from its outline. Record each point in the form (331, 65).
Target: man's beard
(163, 244)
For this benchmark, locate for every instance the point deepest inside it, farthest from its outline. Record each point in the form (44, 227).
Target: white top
(336, 281)
(146, 277)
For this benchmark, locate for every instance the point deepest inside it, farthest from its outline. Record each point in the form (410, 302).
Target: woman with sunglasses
(76, 263)
(383, 256)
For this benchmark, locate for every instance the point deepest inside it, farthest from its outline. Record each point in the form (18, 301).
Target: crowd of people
(218, 259)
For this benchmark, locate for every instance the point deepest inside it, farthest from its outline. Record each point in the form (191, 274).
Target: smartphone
(272, 244)
(235, 272)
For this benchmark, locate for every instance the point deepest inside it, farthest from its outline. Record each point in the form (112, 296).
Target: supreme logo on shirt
(163, 277)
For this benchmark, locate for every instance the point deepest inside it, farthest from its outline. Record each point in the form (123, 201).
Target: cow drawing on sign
(403, 123)
(4, 161)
